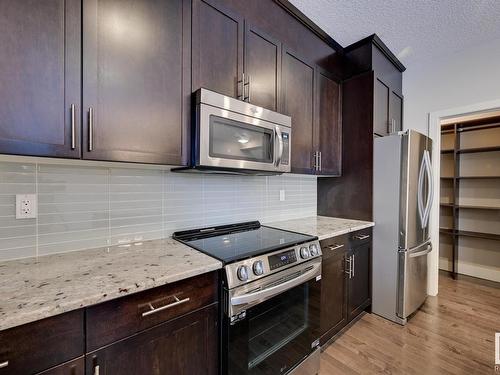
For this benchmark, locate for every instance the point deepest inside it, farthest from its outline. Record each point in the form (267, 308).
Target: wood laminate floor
(453, 333)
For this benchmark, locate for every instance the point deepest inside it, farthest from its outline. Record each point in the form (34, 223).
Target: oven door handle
(261, 295)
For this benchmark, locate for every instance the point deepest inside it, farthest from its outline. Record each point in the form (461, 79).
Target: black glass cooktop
(230, 243)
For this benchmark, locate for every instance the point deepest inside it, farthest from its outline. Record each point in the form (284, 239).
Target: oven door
(274, 325)
(231, 140)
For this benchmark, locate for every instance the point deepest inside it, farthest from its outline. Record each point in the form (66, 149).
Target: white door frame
(435, 133)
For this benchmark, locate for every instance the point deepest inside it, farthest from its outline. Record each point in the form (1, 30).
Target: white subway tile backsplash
(87, 207)
(17, 237)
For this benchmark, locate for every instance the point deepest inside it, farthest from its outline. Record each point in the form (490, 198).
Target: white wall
(460, 79)
(459, 83)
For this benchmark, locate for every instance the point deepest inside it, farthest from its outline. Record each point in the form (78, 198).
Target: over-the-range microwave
(233, 136)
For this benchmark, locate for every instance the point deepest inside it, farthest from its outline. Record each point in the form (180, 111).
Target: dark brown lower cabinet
(345, 281)
(333, 290)
(75, 367)
(41, 345)
(183, 346)
(359, 284)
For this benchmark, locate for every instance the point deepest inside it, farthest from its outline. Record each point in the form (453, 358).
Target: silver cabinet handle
(362, 236)
(335, 247)
(393, 126)
(246, 87)
(241, 83)
(4, 364)
(73, 130)
(353, 262)
(348, 261)
(315, 160)
(320, 160)
(91, 129)
(154, 310)
(96, 370)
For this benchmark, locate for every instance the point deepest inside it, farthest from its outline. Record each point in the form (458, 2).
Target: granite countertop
(36, 288)
(322, 226)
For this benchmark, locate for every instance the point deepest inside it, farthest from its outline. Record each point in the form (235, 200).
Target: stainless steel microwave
(232, 136)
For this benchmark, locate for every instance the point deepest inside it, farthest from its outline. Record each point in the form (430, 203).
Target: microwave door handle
(280, 145)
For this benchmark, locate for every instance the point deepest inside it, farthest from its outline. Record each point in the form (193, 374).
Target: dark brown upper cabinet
(136, 85)
(298, 91)
(40, 70)
(371, 54)
(233, 57)
(262, 68)
(328, 125)
(217, 59)
(312, 97)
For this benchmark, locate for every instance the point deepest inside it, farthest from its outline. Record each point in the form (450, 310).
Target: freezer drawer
(412, 286)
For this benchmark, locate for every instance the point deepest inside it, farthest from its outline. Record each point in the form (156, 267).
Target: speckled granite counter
(36, 288)
(322, 226)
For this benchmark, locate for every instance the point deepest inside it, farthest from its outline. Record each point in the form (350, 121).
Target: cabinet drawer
(37, 346)
(360, 237)
(122, 317)
(183, 346)
(334, 245)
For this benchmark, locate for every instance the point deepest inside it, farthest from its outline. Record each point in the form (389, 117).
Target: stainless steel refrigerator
(402, 198)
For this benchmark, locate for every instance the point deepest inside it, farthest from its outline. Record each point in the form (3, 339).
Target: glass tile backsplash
(82, 207)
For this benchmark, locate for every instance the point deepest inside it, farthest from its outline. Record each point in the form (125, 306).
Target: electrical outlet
(282, 195)
(26, 206)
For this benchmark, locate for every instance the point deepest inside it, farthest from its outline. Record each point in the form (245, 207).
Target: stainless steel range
(269, 297)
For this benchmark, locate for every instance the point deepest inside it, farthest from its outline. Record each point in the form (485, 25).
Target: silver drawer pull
(362, 236)
(335, 247)
(154, 310)
(4, 364)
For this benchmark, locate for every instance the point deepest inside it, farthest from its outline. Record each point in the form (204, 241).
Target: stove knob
(304, 252)
(242, 273)
(313, 249)
(258, 268)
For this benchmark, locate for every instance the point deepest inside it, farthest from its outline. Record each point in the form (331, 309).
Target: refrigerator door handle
(420, 187)
(430, 190)
(421, 253)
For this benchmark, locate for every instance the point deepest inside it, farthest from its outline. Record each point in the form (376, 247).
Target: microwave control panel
(286, 148)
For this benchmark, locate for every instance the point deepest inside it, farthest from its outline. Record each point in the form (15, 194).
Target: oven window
(276, 335)
(231, 139)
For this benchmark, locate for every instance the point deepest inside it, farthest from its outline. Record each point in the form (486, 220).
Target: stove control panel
(282, 259)
(248, 270)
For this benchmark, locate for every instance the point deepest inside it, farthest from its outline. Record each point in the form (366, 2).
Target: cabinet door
(183, 346)
(298, 102)
(333, 294)
(75, 367)
(381, 108)
(328, 129)
(395, 112)
(359, 289)
(40, 77)
(217, 48)
(262, 68)
(136, 80)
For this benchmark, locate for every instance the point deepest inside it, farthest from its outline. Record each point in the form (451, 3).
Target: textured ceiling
(415, 30)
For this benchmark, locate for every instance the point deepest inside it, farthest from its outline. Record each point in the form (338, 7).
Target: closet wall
(470, 197)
